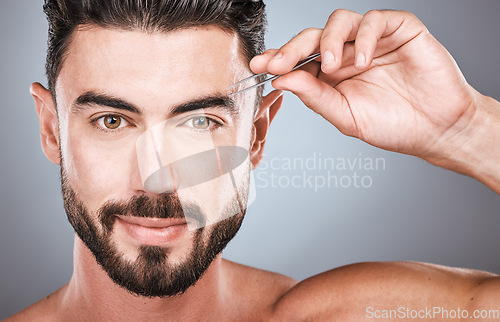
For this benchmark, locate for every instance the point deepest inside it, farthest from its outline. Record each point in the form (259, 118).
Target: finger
(321, 98)
(299, 47)
(313, 67)
(375, 25)
(342, 26)
(258, 64)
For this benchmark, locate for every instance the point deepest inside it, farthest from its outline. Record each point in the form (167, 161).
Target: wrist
(475, 150)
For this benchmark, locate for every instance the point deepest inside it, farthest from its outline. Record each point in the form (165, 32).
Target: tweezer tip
(303, 62)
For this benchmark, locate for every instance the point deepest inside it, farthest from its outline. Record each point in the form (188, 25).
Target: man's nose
(156, 172)
(170, 159)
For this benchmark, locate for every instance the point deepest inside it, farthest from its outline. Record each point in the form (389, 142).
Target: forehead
(168, 67)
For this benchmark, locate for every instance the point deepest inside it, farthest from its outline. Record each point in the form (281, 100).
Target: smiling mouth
(152, 231)
(151, 222)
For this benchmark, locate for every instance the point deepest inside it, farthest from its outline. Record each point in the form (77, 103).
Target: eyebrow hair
(224, 102)
(92, 98)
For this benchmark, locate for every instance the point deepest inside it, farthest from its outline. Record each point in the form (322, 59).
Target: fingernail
(360, 59)
(328, 58)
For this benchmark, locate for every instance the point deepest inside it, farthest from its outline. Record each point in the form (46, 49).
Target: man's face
(129, 105)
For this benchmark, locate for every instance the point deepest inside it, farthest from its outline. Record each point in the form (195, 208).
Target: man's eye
(111, 122)
(202, 123)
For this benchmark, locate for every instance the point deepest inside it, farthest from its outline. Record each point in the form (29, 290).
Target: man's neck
(92, 294)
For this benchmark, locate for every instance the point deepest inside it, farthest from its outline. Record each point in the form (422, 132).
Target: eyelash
(212, 123)
(124, 123)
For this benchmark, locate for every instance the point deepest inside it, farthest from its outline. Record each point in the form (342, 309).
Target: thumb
(321, 98)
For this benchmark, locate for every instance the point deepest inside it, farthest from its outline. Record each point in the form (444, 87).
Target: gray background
(413, 211)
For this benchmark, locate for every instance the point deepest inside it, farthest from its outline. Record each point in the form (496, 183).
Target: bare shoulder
(354, 291)
(259, 288)
(486, 294)
(43, 310)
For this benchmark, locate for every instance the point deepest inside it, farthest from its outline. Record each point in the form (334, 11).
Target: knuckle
(329, 38)
(374, 14)
(408, 15)
(410, 18)
(367, 26)
(339, 12)
(331, 41)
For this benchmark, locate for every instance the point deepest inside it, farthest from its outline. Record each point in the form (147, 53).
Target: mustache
(165, 206)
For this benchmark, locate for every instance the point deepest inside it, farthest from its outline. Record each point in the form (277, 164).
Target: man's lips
(152, 231)
(152, 222)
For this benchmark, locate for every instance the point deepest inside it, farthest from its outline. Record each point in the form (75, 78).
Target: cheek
(99, 172)
(221, 197)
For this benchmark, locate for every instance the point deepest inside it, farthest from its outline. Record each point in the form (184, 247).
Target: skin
(434, 115)
(152, 70)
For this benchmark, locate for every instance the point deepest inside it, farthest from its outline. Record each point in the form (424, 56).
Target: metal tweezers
(301, 63)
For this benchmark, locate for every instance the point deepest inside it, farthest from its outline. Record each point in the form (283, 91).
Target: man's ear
(47, 116)
(268, 108)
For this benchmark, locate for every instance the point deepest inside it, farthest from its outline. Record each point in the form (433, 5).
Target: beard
(151, 274)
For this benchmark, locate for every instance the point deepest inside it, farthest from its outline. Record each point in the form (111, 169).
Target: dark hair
(246, 18)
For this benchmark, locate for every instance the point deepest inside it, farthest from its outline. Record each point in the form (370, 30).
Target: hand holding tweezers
(301, 63)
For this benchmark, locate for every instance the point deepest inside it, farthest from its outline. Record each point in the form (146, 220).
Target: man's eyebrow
(218, 101)
(91, 98)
